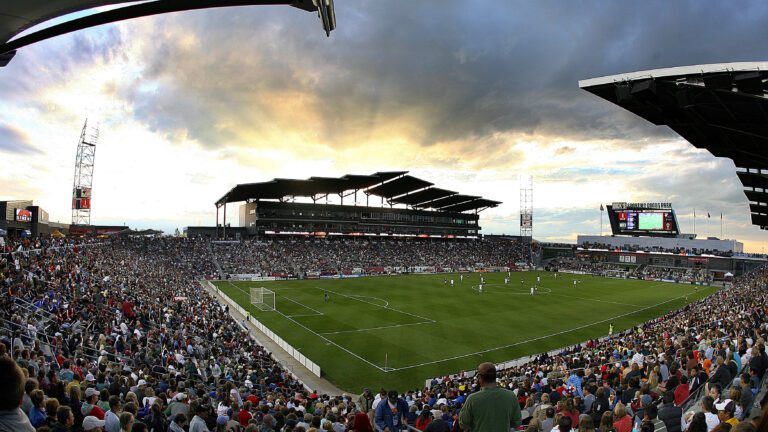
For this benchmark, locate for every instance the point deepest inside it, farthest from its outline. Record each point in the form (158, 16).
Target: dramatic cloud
(466, 94)
(13, 140)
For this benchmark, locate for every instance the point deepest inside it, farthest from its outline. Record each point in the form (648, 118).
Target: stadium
(364, 302)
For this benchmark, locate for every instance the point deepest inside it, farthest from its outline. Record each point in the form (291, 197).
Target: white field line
(509, 291)
(595, 300)
(316, 312)
(360, 299)
(321, 336)
(390, 369)
(378, 328)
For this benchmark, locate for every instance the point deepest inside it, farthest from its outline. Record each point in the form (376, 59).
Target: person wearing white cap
(89, 407)
(725, 412)
(91, 423)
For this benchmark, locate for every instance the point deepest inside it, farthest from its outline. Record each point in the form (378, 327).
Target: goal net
(619, 274)
(263, 298)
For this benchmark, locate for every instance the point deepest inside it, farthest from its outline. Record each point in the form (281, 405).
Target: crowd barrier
(296, 354)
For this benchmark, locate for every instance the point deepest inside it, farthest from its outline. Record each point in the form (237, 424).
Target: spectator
(390, 413)
(725, 412)
(12, 418)
(423, 419)
(492, 408)
(93, 424)
(621, 421)
(37, 415)
(198, 421)
(670, 413)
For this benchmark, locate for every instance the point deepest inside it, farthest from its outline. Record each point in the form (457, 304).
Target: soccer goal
(263, 298)
(618, 274)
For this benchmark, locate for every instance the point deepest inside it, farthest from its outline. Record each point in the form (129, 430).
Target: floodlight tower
(526, 211)
(83, 182)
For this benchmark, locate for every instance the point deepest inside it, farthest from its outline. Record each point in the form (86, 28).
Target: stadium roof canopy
(429, 194)
(20, 15)
(719, 107)
(399, 186)
(396, 186)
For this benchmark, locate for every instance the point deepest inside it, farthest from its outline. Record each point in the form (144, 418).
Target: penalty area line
(322, 337)
(360, 299)
(378, 328)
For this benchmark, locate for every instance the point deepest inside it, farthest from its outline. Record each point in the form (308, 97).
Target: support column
(224, 230)
(217, 222)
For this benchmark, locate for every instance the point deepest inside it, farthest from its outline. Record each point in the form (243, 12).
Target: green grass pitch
(398, 331)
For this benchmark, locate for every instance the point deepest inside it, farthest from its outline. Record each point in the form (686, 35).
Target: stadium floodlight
(263, 298)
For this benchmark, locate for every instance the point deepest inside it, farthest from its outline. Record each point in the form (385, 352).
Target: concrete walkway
(320, 385)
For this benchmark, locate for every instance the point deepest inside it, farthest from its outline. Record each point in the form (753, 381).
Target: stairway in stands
(215, 261)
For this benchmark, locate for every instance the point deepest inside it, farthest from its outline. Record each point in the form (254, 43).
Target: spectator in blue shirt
(575, 380)
(390, 413)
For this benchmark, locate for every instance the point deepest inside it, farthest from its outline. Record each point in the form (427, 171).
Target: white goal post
(263, 298)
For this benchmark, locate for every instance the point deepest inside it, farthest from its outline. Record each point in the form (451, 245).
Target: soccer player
(461, 277)
(610, 329)
(325, 297)
(451, 283)
(574, 283)
(480, 288)
(532, 290)
(506, 281)
(538, 279)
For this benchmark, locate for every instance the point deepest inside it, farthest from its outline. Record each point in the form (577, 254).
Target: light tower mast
(526, 212)
(83, 182)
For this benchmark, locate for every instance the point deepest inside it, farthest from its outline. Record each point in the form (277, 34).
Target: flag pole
(694, 223)
(601, 219)
(721, 225)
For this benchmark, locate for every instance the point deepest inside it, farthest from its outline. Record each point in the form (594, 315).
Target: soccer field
(397, 331)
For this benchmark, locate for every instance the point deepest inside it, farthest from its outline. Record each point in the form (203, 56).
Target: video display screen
(643, 221)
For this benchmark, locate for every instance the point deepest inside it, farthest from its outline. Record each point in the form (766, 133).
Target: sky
(467, 95)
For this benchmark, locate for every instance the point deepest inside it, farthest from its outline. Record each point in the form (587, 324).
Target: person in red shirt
(245, 414)
(424, 419)
(621, 421)
(89, 407)
(681, 391)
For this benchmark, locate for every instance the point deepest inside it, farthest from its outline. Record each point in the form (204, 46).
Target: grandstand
(409, 207)
(137, 325)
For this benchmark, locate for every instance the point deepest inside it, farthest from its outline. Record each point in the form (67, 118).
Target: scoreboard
(643, 219)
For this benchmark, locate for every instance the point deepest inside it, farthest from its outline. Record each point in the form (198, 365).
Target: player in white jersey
(532, 290)
(506, 281)
(451, 282)
(538, 279)
(574, 283)
(480, 288)
(461, 277)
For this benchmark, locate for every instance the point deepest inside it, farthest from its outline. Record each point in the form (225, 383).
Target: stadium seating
(87, 320)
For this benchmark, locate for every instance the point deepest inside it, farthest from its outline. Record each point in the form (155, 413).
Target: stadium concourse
(121, 330)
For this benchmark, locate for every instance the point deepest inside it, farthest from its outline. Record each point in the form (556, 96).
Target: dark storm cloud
(13, 140)
(461, 69)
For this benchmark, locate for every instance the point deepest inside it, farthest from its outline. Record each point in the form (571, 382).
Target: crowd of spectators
(657, 249)
(602, 268)
(296, 257)
(120, 336)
